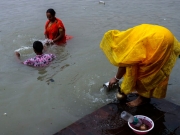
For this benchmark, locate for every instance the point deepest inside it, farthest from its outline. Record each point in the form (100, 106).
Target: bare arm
(61, 34)
(121, 71)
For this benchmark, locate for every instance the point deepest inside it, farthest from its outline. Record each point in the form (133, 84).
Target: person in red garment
(54, 29)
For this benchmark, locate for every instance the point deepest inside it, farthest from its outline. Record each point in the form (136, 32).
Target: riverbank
(107, 121)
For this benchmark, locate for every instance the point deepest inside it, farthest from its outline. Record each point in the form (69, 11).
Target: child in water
(40, 60)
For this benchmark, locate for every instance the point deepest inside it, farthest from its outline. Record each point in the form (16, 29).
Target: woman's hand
(49, 41)
(121, 71)
(18, 57)
(112, 82)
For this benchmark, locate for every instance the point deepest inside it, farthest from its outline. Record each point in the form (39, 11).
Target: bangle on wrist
(116, 78)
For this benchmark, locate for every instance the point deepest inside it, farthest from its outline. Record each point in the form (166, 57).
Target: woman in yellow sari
(145, 56)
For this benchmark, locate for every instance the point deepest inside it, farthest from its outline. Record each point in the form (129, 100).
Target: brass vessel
(120, 95)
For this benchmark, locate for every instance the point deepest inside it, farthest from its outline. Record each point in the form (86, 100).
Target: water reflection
(47, 73)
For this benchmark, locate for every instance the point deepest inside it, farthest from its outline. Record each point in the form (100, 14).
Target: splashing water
(25, 51)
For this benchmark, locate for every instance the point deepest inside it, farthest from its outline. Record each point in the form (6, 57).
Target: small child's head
(38, 47)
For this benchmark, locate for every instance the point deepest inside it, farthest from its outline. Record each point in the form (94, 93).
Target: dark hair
(38, 46)
(51, 11)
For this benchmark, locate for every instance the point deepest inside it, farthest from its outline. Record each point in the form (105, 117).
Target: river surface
(42, 101)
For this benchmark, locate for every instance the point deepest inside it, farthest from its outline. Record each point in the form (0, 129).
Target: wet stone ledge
(107, 121)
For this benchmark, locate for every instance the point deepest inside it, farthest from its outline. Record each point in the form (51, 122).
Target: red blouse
(52, 31)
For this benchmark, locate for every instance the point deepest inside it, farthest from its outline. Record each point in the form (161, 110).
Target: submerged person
(40, 60)
(54, 28)
(145, 56)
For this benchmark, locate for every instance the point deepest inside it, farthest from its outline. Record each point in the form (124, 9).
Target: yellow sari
(148, 52)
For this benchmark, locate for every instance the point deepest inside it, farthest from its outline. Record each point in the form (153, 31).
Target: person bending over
(145, 56)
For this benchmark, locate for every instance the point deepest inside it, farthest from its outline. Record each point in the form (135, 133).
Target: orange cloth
(52, 31)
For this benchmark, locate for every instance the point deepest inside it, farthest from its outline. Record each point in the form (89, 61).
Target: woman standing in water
(145, 56)
(54, 28)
